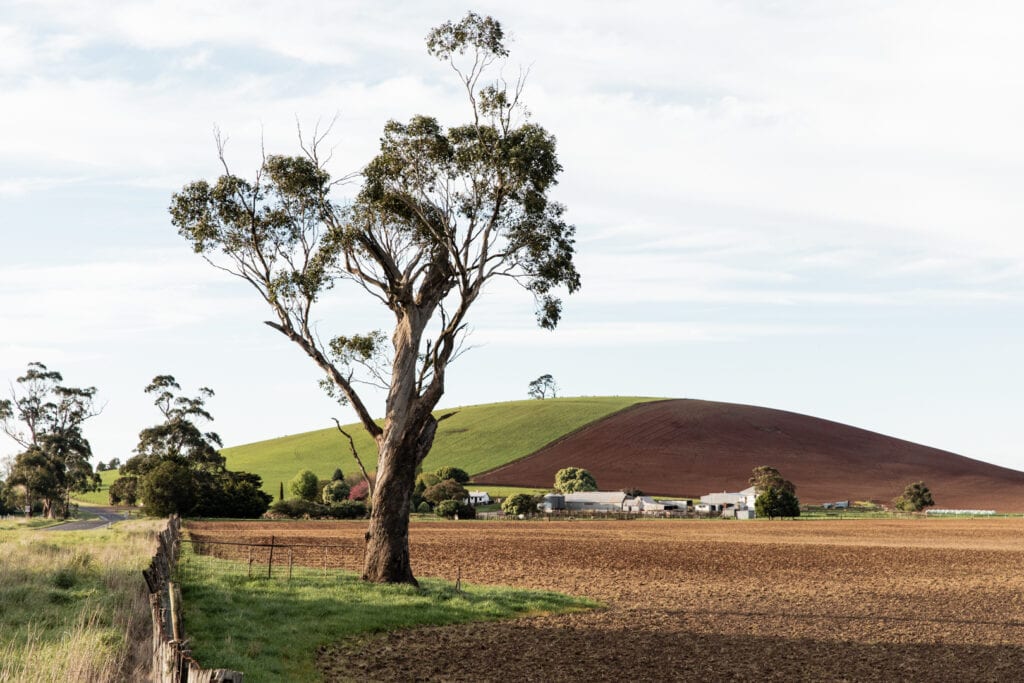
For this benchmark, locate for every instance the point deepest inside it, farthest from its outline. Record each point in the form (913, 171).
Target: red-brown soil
(689, 448)
(864, 600)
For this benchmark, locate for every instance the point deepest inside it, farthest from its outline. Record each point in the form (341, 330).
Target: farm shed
(584, 501)
(725, 499)
(646, 504)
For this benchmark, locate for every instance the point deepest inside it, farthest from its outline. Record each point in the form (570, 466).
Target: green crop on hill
(474, 438)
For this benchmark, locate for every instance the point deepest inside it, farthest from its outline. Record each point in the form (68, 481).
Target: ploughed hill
(691, 447)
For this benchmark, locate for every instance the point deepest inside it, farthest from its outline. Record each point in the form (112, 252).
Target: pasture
(830, 600)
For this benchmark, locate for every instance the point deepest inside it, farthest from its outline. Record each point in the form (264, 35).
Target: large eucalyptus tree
(440, 213)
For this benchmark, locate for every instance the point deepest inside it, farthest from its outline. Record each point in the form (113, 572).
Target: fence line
(266, 559)
(172, 658)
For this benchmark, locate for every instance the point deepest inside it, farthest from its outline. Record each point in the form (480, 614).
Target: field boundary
(172, 656)
(554, 442)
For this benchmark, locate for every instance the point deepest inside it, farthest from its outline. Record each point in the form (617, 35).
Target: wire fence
(270, 560)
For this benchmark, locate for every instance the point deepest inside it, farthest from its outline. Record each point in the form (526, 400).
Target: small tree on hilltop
(915, 497)
(574, 479)
(304, 485)
(543, 387)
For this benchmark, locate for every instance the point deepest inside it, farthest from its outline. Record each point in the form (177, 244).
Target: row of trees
(177, 467)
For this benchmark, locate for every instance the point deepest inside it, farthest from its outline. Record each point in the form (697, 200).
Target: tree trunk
(387, 539)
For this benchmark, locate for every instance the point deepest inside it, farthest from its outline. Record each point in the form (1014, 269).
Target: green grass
(270, 629)
(73, 604)
(475, 438)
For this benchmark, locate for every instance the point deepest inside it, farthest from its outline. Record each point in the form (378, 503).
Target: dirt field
(830, 600)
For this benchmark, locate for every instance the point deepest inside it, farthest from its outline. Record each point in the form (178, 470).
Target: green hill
(474, 438)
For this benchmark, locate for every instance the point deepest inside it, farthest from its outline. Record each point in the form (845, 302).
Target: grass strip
(270, 629)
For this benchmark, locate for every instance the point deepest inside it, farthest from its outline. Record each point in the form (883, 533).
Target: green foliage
(335, 492)
(519, 504)
(168, 489)
(304, 485)
(765, 477)
(916, 497)
(295, 508)
(124, 490)
(424, 480)
(574, 479)
(449, 489)
(448, 472)
(776, 502)
(45, 417)
(423, 508)
(347, 509)
(447, 508)
(338, 475)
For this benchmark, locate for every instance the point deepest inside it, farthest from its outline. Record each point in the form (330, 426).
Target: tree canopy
(765, 477)
(915, 497)
(543, 387)
(573, 479)
(440, 213)
(45, 417)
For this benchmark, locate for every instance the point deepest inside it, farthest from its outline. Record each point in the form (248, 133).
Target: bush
(519, 504)
(423, 508)
(296, 508)
(124, 490)
(455, 473)
(336, 491)
(447, 508)
(449, 489)
(305, 485)
(360, 491)
(346, 509)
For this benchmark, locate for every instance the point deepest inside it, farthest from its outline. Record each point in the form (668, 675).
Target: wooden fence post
(270, 560)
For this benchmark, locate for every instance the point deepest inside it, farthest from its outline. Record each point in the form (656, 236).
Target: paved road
(106, 515)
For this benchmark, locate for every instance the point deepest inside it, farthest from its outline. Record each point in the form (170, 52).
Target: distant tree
(168, 488)
(304, 485)
(765, 477)
(449, 489)
(45, 417)
(543, 387)
(211, 489)
(114, 463)
(423, 507)
(280, 490)
(519, 504)
(337, 476)
(101, 466)
(455, 473)
(915, 497)
(776, 502)
(447, 508)
(633, 492)
(573, 479)
(124, 490)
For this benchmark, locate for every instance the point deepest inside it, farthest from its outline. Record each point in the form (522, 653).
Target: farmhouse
(725, 500)
(477, 498)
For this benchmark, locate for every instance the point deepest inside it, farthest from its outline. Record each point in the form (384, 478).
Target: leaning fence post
(270, 559)
(250, 562)
(289, 564)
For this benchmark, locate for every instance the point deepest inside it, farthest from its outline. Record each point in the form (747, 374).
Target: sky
(809, 206)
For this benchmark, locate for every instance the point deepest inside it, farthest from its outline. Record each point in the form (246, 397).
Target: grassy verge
(73, 605)
(270, 629)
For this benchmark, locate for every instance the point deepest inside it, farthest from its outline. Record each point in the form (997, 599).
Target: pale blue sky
(808, 206)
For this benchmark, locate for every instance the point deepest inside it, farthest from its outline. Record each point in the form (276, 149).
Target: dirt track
(689, 447)
(832, 600)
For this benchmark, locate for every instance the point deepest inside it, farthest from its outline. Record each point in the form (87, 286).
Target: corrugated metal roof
(596, 496)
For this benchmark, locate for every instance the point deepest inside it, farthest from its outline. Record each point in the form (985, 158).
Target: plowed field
(829, 600)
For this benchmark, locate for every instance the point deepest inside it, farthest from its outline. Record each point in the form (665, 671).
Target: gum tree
(441, 212)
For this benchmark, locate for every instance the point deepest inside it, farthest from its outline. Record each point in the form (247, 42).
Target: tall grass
(73, 605)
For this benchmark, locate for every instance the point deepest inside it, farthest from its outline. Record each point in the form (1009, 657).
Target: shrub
(337, 476)
(305, 485)
(455, 473)
(295, 508)
(346, 509)
(336, 491)
(360, 491)
(423, 508)
(519, 504)
(447, 508)
(449, 489)
(126, 490)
